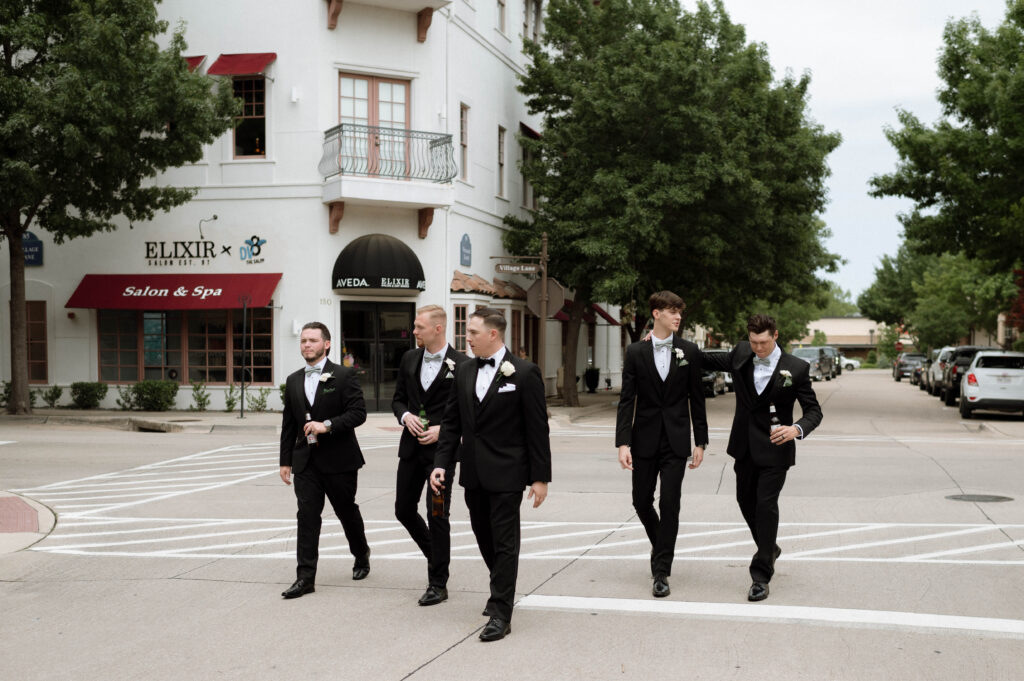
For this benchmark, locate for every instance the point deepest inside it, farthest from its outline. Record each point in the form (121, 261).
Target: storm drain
(978, 497)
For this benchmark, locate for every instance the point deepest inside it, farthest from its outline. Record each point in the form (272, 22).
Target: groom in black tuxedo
(662, 391)
(497, 410)
(329, 395)
(763, 376)
(425, 378)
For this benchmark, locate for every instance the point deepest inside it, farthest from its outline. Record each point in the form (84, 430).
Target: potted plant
(592, 377)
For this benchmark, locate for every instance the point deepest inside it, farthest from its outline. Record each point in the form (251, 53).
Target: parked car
(956, 366)
(915, 375)
(819, 361)
(728, 374)
(937, 368)
(714, 382)
(837, 367)
(924, 381)
(905, 364)
(849, 363)
(993, 380)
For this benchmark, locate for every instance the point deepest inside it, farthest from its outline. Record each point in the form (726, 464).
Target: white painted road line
(882, 619)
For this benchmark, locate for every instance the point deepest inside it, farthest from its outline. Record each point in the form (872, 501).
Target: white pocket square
(507, 388)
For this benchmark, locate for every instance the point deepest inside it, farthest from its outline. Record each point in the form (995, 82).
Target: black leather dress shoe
(495, 629)
(433, 595)
(300, 588)
(758, 591)
(660, 589)
(362, 567)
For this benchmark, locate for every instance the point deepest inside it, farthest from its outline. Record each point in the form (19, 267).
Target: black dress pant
(311, 486)
(433, 536)
(661, 531)
(757, 492)
(494, 517)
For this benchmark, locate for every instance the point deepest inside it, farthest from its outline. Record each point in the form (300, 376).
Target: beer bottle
(773, 419)
(437, 505)
(311, 437)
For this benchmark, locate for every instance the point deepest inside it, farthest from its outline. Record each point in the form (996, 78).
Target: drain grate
(978, 497)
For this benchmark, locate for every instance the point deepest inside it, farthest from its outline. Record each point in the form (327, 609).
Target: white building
(375, 159)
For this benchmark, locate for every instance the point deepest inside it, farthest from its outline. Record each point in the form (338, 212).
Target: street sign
(556, 297)
(899, 346)
(517, 268)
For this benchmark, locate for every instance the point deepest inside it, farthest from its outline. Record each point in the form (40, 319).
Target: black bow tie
(480, 361)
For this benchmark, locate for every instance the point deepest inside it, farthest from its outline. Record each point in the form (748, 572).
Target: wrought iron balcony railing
(395, 153)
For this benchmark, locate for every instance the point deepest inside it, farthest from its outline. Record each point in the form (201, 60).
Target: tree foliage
(891, 297)
(965, 173)
(91, 110)
(670, 159)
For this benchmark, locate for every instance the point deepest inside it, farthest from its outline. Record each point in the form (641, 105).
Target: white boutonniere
(506, 369)
(681, 360)
(788, 376)
(325, 377)
(450, 363)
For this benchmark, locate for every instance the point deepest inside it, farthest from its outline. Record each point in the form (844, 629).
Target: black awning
(378, 263)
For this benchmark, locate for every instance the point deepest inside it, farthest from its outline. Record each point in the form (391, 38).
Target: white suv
(936, 369)
(994, 380)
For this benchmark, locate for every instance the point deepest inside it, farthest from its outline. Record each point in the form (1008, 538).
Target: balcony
(373, 165)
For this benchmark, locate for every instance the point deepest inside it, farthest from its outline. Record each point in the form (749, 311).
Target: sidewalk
(218, 421)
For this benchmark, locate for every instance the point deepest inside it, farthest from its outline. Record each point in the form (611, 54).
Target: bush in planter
(283, 387)
(127, 400)
(258, 402)
(231, 398)
(52, 396)
(200, 397)
(87, 394)
(155, 395)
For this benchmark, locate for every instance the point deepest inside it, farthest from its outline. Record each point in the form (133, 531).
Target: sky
(866, 59)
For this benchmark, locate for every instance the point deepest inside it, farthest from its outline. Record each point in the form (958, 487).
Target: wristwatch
(327, 424)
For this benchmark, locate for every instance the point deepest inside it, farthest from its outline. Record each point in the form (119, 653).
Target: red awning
(174, 291)
(241, 64)
(194, 62)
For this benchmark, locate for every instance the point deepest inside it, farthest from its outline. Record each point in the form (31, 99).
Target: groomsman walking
(765, 377)
(323, 405)
(425, 378)
(497, 410)
(662, 394)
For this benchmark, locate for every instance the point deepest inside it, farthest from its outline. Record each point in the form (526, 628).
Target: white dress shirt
(313, 378)
(763, 374)
(485, 374)
(662, 356)
(429, 370)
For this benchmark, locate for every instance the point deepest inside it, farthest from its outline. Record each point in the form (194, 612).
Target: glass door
(373, 338)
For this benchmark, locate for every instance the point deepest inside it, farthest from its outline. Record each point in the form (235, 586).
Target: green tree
(892, 296)
(839, 302)
(91, 110)
(670, 159)
(956, 295)
(965, 173)
(819, 338)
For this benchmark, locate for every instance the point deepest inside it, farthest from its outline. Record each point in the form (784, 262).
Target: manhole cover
(978, 497)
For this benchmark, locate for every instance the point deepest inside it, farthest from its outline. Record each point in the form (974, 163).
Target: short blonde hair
(436, 313)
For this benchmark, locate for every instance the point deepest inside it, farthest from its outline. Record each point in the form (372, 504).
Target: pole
(542, 335)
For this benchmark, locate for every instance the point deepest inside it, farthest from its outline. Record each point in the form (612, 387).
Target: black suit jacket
(505, 444)
(338, 399)
(649, 406)
(750, 426)
(410, 396)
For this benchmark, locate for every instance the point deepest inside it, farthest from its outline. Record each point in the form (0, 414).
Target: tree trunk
(635, 329)
(569, 393)
(19, 402)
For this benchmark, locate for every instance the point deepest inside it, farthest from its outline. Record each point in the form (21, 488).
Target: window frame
(234, 130)
(464, 141)
(501, 161)
(459, 339)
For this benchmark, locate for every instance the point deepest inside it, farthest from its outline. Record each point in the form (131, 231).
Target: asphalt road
(170, 551)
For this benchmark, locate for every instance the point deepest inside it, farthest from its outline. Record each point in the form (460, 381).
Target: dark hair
(324, 333)
(492, 318)
(759, 323)
(666, 300)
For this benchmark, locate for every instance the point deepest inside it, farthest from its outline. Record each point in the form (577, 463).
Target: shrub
(231, 398)
(283, 387)
(872, 357)
(87, 394)
(52, 396)
(258, 402)
(155, 395)
(1018, 344)
(126, 398)
(5, 393)
(200, 397)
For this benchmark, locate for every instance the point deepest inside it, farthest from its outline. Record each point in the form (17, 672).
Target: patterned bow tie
(480, 361)
(428, 358)
(766, 362)
(659, 344)
(313, 370)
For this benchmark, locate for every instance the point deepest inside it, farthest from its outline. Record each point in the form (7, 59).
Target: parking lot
(170, 551)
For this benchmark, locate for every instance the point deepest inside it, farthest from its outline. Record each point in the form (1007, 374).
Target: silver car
(937, 367)
(994, 380)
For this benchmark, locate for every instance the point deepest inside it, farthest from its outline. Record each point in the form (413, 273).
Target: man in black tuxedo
(498, 411)
(425, 378)
(763, 376)
(662, 391)
(323, 405)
